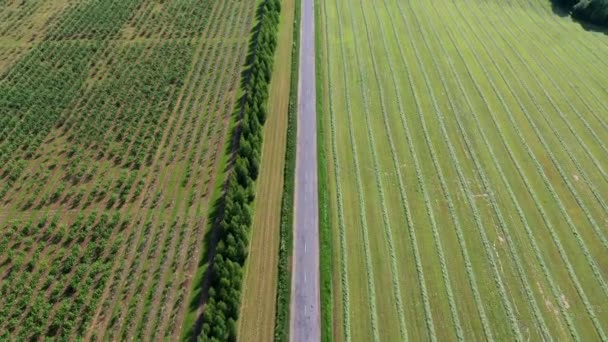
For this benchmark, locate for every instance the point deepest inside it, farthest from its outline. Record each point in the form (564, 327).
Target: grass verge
(325, 243)
(286, 230)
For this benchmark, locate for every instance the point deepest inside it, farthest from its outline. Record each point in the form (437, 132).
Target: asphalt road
(305, 294)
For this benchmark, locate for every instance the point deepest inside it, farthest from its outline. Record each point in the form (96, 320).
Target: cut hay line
(559, 111)
(419, 176)
(487, 188)
(574, 43)
(563, 174)
(336, 164)
(485, 241)
(535, 4)
(548, 185)
(555, 238)
(362, 212)
(555, 290)
(396, 163)
(592, 111)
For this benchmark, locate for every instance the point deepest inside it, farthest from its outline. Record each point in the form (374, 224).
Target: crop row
(78, 260)
(167, 155)
(40, 86)
(119, 180)
(188, 253)
(11, 17)
(139, 186)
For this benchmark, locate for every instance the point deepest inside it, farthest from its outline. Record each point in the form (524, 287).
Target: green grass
(325, 226)
(465, 174)
(283, 292)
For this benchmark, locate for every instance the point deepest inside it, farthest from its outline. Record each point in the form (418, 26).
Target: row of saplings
(223, 302)
(592, 11)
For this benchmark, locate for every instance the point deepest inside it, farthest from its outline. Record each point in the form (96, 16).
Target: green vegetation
(114, 121)
(326, 249)
(226, 271)
(465, 180)
(592, 11)
(281, 324)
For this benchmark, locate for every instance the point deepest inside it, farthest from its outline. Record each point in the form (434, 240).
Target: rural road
(305, 295)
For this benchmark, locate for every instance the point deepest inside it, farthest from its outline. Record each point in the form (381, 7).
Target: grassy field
(258, 306)
(467, 170)
(114, 118)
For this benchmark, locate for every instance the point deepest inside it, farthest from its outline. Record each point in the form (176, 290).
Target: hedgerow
(226, 272)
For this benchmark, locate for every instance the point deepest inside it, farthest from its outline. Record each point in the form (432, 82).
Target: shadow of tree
(563, 9)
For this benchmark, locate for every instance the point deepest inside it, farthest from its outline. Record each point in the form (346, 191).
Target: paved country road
(305, 295)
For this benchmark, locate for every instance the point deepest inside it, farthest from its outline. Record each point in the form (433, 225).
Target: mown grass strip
(531, 236)
(371, 287)
(513, 251)
(586, 104)
(436, 236)
(385, 217)
(548, 185)
(326, 257)
(419, 175)
(587, 53)
(537, 201)
(557, 164)
(281, 324)
(337, 167)
(485, 241)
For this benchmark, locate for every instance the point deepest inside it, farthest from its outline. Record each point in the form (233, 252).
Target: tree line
(226, 272)
(592, 11)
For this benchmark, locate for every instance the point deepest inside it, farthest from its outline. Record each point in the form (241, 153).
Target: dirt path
(305, 294)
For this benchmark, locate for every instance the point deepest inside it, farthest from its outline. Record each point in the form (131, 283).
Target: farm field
(467, 157)
(115, 116)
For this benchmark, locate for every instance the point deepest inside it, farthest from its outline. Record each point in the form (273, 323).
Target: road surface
(305, 295)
